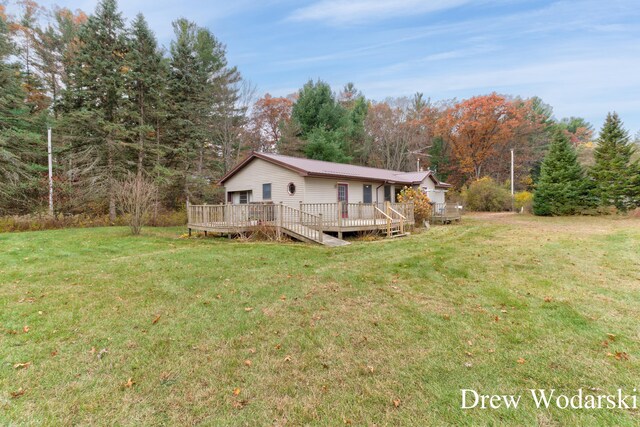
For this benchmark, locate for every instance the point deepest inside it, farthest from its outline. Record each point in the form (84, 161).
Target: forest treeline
(119, 104)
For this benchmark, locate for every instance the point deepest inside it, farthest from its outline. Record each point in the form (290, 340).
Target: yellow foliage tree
(421, 203)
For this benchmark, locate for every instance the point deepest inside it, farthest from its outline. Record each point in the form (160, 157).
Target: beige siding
(436, 195)
(258, 172)
(324, 190)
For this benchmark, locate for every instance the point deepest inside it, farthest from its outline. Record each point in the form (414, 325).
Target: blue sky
(582, 57)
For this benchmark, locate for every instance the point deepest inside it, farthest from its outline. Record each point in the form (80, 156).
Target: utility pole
(512, 187)
(50, 171)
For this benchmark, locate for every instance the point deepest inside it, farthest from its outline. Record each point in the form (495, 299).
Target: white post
(512, 186)
(50, 171)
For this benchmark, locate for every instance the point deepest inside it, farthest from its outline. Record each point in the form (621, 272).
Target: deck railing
(445, 212)
(307, 219)
(302, 223)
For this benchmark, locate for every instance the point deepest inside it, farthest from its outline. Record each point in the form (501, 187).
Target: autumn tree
(477, 129)
(269, 116)
(577, 129)
(398, 134)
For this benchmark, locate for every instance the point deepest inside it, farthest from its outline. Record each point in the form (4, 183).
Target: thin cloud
(339, 12)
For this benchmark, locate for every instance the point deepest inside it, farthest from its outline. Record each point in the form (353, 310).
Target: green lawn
(376, 333)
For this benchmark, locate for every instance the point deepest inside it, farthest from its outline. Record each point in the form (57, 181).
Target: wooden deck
(308, 222)
(444, 213)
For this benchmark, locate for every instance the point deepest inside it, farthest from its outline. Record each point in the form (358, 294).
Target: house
(307, 199)
(263, 177)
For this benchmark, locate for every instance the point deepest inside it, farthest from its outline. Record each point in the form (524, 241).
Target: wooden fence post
(339, 219)
(320, 233)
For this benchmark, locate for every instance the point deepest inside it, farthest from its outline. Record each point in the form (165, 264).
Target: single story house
(265, 177)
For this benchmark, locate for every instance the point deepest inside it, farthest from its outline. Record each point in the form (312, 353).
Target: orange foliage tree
(478, 128)
(268, 117)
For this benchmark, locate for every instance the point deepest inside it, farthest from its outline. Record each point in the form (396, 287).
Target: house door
(343, 196)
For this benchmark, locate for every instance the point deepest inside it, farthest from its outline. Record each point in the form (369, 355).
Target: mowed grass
(376, 333)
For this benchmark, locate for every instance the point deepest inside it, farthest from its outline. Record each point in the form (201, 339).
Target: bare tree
(135, 196)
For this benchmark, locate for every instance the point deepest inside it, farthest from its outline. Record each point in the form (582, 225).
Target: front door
(343, 196)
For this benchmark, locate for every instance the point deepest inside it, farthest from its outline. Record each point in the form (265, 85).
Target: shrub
(486, 195)
(135, 196)
(524, 199)
(421, 203)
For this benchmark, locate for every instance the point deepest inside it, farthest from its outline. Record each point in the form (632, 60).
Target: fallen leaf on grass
(247, 362)
(621, 355)
(468, 364)
(287, 359)
(54, 353)
(548, 299)
(396, 403)
(129, 383)
(521, 361)
(248, 308)
(16, 394)
(283, 298)
(25, 329)
(156, 319)
(22, 365)
(102, 353)
(236, 391)
(611, 337)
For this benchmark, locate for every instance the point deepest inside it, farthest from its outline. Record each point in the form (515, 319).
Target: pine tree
(614, 175)
(96, 104)
(562, 188)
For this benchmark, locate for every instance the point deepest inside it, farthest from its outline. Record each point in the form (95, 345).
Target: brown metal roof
(309, 167)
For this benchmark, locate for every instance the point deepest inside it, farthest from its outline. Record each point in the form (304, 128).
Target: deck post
(339, 219)
(387, 210)
(189, 232)
(188, 215)
(320, 227)
(280, 220)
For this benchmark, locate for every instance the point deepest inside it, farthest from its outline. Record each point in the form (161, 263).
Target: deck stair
(309, 235)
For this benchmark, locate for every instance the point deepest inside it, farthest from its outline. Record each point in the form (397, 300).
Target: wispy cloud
(339, 12)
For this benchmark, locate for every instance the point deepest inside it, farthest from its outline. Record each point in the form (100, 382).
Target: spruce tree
(614, 175)
(96, 103)
(146, 82)
(562, 188)
(22, 154)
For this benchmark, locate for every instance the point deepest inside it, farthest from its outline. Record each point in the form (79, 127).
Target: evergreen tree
(201, 89)
(326, 145)
(562, 188)
(614, 174)
(96, 104)
(316, 107)
(146, 82)
(22, 155)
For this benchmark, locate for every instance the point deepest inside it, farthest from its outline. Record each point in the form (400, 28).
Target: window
(266, 191)
(291, 188)
(244, 197)
(387, 193)
(229, 197)
(367, 197)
